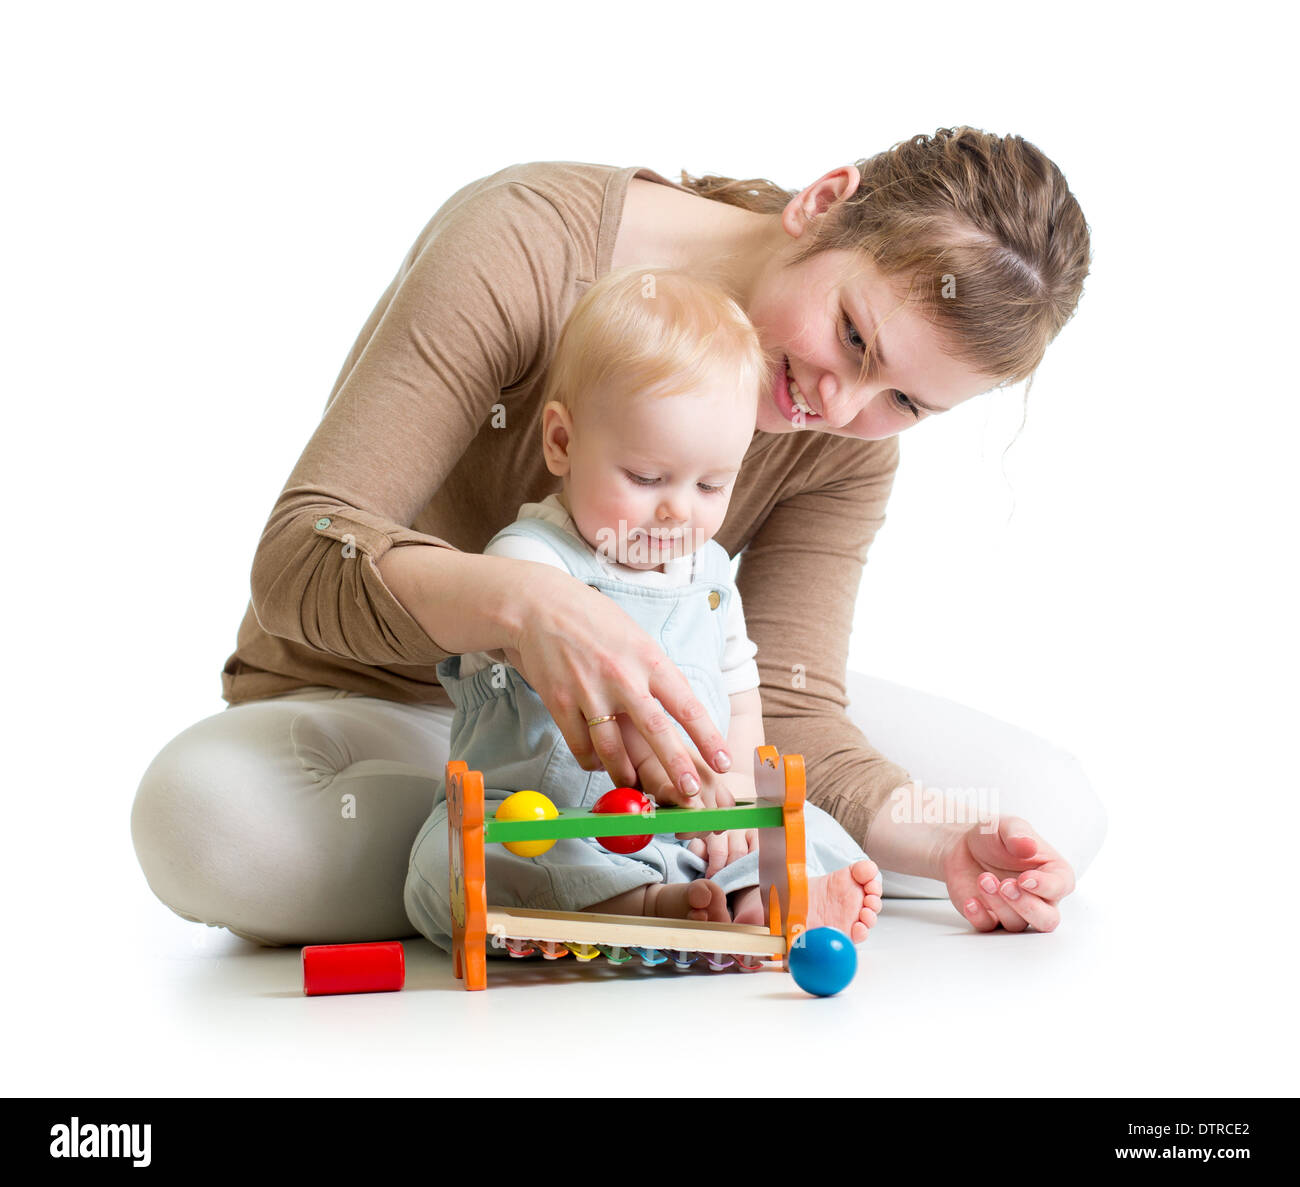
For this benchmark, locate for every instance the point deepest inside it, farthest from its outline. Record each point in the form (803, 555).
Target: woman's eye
(906, 405)
(852, 333)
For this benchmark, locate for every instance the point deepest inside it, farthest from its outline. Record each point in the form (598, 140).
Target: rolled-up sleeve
(465, 318)
(326, 592)
(799, 576)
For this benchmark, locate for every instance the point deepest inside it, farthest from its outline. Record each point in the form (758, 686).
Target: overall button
(714, 599)
(323, 523)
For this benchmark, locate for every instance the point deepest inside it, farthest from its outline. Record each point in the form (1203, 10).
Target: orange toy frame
(779, 781)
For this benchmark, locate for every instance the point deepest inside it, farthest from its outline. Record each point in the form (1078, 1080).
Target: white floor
(1160, 1002)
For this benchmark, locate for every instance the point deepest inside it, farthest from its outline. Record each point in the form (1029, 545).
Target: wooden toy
(353, 968)
(777, 814)
(823, 961)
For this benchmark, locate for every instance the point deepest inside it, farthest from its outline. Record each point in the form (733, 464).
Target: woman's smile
(788, 398)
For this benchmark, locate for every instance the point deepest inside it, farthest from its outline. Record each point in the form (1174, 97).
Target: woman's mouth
(790, 400)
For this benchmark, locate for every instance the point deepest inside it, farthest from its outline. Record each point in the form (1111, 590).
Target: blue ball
(823, 961)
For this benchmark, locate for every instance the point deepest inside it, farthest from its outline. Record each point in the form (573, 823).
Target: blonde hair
(652, 332)
(981, 230)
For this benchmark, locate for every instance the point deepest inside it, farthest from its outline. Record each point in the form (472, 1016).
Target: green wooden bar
(583, 823)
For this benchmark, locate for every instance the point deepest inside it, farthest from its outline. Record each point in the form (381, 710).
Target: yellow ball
(527, 805)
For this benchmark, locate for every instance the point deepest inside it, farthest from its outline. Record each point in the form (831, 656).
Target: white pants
(290, 820)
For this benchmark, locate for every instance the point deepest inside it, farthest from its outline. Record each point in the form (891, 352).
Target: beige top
(432, 435)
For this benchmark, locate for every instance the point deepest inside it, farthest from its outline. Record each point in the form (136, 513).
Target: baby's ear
(557, 434)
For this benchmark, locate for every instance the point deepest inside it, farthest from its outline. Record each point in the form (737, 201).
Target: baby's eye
(639, 480)
(710, 490)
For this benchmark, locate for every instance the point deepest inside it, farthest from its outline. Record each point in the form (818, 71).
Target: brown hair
(981, 230)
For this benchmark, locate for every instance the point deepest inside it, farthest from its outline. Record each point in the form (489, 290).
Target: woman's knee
(190, 827)
(233, 828)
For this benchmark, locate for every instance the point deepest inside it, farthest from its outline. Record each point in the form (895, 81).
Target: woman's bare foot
(848, 899)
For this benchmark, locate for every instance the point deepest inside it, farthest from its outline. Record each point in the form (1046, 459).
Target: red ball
(624, 799)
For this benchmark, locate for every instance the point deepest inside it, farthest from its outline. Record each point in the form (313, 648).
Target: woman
(884, 292)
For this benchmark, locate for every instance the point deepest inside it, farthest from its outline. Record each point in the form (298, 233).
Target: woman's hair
(980, 231)
(652, 332)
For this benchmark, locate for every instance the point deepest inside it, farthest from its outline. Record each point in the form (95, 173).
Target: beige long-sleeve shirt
(432, 435)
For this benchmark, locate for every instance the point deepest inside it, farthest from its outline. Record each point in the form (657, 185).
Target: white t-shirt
(739, 671)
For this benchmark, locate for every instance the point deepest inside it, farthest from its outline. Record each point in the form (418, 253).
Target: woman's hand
(1010, 877)
(717, 848)
(586, 657)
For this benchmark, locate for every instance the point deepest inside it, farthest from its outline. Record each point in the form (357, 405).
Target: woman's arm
(463, 320)
(799, 577)
(582, 654)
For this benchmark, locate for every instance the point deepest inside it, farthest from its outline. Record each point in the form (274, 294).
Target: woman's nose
(841, 400)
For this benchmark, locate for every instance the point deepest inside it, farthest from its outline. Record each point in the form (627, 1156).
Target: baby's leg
(702, 900)
(679, 890)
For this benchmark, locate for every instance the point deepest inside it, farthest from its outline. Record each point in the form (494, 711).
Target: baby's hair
(652, 332)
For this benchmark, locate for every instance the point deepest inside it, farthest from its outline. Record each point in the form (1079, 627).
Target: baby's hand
(653, 780)
(719, 849)
(715, 789)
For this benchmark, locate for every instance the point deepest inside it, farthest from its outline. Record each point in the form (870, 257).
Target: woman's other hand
(1008, 877)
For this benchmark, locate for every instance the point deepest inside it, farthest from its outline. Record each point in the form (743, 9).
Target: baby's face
(647, 480)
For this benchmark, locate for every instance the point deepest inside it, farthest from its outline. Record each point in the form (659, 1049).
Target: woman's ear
(557, 433)
(819, 197)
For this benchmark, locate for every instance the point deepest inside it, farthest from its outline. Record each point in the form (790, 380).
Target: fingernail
(690, 785)
(971, 907)
(1029, 883)
(722, 761)
(989, 883)
(1010, 890)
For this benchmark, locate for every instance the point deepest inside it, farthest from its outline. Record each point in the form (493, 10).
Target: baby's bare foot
(703, 900)
(848, 899)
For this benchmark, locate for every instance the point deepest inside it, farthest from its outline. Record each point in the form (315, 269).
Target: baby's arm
(744, 736)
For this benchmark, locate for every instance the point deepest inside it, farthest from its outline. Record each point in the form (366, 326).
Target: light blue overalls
(502, 728)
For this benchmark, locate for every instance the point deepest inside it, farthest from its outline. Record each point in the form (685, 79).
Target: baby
(649, 409)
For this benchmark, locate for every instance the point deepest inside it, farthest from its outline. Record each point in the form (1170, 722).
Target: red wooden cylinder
(353, 968)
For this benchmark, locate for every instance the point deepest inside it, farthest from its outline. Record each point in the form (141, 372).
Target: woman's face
(816, 318)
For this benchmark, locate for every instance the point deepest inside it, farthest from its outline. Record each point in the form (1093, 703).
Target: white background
(202, 205)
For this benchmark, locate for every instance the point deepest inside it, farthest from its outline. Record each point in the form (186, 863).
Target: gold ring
(599, 720)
